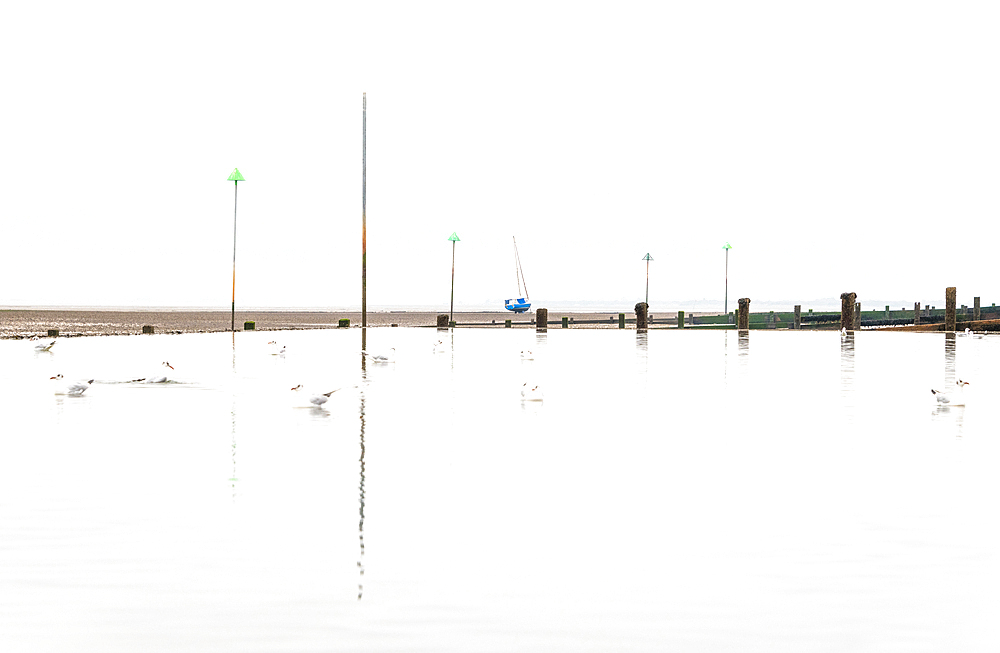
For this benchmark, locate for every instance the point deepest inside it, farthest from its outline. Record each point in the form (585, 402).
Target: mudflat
(25, 323)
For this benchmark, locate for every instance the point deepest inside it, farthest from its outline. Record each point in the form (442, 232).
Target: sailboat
(520, 305)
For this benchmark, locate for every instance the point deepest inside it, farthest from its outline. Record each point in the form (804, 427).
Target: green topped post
(647, 258)
(454, 239)
(236, 178)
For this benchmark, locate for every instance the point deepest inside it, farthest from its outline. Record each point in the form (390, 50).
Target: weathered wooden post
(857, 316)
(641, 315)
(53, 333)
(343, 323)
(565, 322)
(442, 322)
(797, 323)
(249, 325)
(743, 314)
(506, 324)
(950, 295)
(847, 310)
(680, 319)
(147, 329)
(977, 313)
(542, 319)
(916, 313)
(621, 320)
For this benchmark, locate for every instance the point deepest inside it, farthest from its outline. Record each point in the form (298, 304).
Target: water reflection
(361, 482)
(232, 423)
(847, 373)
(949, 359)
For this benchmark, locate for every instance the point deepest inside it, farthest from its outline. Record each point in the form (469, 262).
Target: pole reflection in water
(232, 418)
(949, 360)
(944, 411)
(847, 372)
(361, 483)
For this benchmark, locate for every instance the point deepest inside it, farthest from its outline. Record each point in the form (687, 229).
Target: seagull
(527, 355)
(968, 332)
(74, 389)
(531, 394)
(439, 346)
(316, 400)
(275, 351)
(379, 358)
(158, 378)
(956, 398)
(41, 346)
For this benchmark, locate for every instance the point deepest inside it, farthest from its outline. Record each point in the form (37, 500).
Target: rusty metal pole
(364, 219)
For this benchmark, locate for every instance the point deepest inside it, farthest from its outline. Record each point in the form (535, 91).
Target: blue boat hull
(517, 305)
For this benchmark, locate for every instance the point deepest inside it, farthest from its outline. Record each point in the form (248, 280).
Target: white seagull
(533, 393)
(42, 346)
(379, 358)
(956, 398)
(73, 389)
(316, 400)
(158, 378)
(968, 332)
(275, 351)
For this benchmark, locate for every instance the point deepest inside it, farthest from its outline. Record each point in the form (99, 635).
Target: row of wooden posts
(850, 314)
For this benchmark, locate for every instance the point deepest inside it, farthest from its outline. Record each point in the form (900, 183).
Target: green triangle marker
(647, 257)
(236, 176)
(454, 236)
(727, 246)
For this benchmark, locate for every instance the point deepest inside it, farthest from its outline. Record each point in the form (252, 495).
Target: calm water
(787, 491)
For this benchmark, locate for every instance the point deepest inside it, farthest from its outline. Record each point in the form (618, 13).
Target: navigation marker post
(647, 258)
(236, 178)
(727, 247)
(451, 313)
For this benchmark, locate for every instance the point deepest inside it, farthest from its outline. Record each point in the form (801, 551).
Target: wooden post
(680, 319)
(950, 295)
(977, 313)
(506, 324)
(916, 313)
(343, 323)
(147, 329)
(641, 315)
(53, 333)
(621, 320)
(565, 322)
(542, 319)
(847, 310)
(249, 325)
(442, 321)
(857, 316)
(743, 314)
(797, 323)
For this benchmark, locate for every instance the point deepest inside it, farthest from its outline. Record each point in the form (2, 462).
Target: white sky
(849, 146)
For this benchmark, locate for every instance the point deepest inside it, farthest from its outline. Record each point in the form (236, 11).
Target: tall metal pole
(725, 306)
(236, 178)
(451, 311)
(232, 314)
(364, 219)
(647, 258)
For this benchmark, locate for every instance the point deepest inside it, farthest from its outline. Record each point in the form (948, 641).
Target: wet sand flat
(24, 323)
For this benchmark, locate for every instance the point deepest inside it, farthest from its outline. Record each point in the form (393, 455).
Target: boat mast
(520, 272)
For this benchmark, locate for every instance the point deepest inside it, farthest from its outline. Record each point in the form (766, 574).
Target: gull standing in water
(379, 358)
(956, 398)
(532, 393)
(73, 389)
(42, 346)
(316, 400)
(968, 332)
(158, 378)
